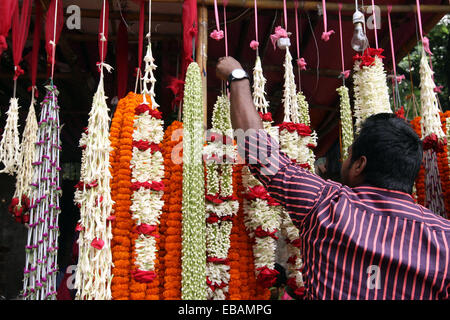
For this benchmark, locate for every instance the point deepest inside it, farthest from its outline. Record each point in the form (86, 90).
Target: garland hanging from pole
(42, 243)
(193, 284)
(93, 193)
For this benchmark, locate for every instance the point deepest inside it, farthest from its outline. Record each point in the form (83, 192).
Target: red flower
(111, 218)
(97, 243)
(257, 192)
(158, 186)
(212, 218)
(303, 130)
(267, 277)
(292, 259)
(374, 52)
(216, 260)
(367, 61)
(260, 233)
(266, 116)
(297, 243)
(155, 114)
(305, 165)
(400, 113)
(142, 108)
(144, 276)
(78, 227)
(300, 291)
(272, 202)
(213, 198)
(146, 229)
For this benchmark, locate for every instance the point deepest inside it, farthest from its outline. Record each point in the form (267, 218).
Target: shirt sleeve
(297, 189)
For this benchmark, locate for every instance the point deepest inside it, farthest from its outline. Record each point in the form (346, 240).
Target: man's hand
(225, 66)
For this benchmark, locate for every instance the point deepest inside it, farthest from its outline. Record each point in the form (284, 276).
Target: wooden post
(202, 56)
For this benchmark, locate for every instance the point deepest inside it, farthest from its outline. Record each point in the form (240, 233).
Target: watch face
(238, 73)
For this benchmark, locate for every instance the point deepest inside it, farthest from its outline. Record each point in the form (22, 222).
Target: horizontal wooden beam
(312, 5)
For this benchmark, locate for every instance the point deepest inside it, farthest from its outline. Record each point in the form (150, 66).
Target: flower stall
(122, 179)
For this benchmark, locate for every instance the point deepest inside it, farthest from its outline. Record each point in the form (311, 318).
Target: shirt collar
(384, 192)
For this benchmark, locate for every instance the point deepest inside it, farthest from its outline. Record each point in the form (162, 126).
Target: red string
(340, 37)
(256, 22)
(122, 60)
(225, 2)
(392, 42)
(375, 23)
(36, 41)
(296, 29)
(419, 19)
(285, 15)
(216, 14)
(103, 30)
(20, 26)
(141, 33)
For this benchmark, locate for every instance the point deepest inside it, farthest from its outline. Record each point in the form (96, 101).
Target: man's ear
(359, 166)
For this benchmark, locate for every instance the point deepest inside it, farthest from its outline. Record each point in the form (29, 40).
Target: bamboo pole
(312, 5)
(202, 56)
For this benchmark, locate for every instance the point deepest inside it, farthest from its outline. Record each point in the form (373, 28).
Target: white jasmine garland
(93, 277)
(10, 143)
(147, 166)
(371, 94)
(291, 233)
(25, 168)
(193, 256)
(219, 185)
(346, 120)
(259, 82)
(430, 119)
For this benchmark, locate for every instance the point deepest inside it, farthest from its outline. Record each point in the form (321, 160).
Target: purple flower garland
(42, 244)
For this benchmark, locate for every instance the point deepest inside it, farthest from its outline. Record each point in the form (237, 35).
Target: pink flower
(301, 63)
(144, 276)
(217, 35)
(326, 35)
(254, 44)
(145, 229)
(97, 243)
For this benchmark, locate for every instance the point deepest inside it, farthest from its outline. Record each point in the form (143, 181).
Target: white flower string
(93, 277)
(221, 206)
(147, 173)
(433, 137)
(93, 197)
(193, 260)
(430, 119)
(42, 241)
(261, 212)
(10, 143)
(25, 169)
(346, 120)
(295, 265)
(371, 94)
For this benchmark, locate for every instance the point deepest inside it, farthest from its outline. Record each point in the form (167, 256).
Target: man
(366, 239)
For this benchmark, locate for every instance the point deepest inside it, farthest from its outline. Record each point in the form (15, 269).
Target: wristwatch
(236, 75)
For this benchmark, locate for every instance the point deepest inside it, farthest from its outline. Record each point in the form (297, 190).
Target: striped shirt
(357, 243)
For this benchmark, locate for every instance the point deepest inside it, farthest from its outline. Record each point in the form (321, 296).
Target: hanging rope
(217, 34)
(326, 34)
(103, 39)
(254, 44)
(345, 73)
(375, 23)
(140, 45)
(301, 63)
(35, 50)
(396, 80)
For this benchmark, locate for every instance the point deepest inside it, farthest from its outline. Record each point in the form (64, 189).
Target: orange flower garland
(171, 217)
(243, 284)
(121, 142)
(443, 166)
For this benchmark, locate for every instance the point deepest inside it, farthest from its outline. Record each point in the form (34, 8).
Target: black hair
(393, 150)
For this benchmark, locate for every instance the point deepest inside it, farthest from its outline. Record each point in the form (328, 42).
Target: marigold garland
(121, 244)
(171, 218)
(443, 165)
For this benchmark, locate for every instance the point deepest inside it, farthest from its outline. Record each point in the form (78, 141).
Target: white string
(149, 19)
